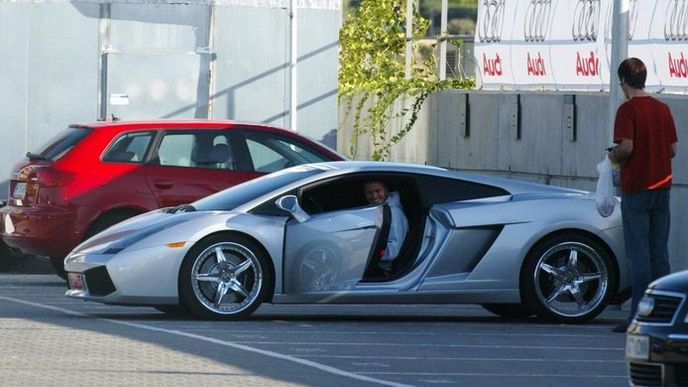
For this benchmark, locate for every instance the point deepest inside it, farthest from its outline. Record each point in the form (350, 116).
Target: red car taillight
(34, 179)
(31, 194)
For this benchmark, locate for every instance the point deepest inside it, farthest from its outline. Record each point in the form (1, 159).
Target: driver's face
(375, 192)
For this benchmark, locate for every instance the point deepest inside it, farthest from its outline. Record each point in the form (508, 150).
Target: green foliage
(371, 73)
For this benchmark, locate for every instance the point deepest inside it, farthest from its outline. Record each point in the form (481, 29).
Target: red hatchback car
(92, 176)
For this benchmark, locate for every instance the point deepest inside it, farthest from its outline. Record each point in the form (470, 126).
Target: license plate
(637, 347)
(76, 281)
(19, 191)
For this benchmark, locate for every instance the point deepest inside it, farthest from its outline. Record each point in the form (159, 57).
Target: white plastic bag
(604, 195)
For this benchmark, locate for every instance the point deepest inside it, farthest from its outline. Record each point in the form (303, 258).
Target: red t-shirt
(648, 123)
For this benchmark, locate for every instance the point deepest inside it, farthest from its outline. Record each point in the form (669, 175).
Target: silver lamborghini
(307, 235)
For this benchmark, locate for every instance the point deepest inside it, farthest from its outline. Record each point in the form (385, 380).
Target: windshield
(60, 144)
(233, 197)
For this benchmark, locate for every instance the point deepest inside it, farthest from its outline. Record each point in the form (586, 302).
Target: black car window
(443, 190)
(344, 192)
(334, 194)
(271, 152)
(129, 147)
(60, 144)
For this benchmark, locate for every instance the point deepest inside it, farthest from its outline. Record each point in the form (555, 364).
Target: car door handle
(163, 184)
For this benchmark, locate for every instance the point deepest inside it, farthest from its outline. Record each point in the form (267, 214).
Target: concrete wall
(49, 77)
(527, 136)
(64, 60)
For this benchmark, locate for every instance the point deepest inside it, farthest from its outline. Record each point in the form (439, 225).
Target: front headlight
(75, 258)
(646, 306)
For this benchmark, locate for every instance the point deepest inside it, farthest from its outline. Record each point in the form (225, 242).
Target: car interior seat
(220, 154)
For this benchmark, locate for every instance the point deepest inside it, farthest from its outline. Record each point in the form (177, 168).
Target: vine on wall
(371, 73)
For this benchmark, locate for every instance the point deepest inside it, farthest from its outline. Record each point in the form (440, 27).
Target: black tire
(58, 266)
(108, 220)
(242, 273)
(509, 310)
(567, 278)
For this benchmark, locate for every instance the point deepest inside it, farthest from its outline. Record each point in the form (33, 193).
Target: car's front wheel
(224, 277)
(567, 278)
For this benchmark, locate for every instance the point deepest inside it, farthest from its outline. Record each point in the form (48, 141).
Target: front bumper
(147, 276)
(666, 363)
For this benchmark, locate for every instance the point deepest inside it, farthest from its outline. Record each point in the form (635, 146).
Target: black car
(657, 340)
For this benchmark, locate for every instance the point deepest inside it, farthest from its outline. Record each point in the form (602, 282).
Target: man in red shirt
(646, 136)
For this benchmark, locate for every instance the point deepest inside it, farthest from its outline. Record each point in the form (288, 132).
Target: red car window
(129, 147)
(59, 145)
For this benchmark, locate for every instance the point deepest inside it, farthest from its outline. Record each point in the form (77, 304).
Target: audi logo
(585, 20)
(676, 22)
(490, 20)
(536, 21)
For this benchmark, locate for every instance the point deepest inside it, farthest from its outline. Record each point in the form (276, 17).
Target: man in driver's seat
(376, 192)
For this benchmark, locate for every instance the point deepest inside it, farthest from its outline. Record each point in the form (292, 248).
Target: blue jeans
(646, 233)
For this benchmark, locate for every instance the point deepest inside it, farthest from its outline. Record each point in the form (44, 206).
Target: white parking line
(494, 375)
(387, 344)
(307, 363)
(443, 334)
(505, 359)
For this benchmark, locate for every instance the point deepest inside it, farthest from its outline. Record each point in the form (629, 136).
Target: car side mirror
(290, 203)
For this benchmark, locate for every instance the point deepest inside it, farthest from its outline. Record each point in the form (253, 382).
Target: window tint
(443, 190)
(62, 143)
(129, 147)
(270, 153)
(200, 149)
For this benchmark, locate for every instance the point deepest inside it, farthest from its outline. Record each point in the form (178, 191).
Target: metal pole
(443, 42)
(293, 61)
(619, 53)
(409, 38)
(104, 41)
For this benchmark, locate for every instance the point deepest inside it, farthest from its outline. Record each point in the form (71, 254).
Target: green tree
(371, 72)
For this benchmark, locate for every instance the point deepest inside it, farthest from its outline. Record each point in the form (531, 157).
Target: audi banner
(566, 44)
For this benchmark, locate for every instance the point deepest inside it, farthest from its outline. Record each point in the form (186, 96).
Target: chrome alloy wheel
(571, 279)
(226, 278)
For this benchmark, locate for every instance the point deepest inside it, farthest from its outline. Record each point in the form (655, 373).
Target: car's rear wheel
(107, 220)
(567, 278)
(509, 310)
(224, 277)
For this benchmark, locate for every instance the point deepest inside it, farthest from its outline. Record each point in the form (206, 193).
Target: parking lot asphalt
(49, 339)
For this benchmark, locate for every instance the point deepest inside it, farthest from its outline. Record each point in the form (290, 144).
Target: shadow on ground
(12, 262)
